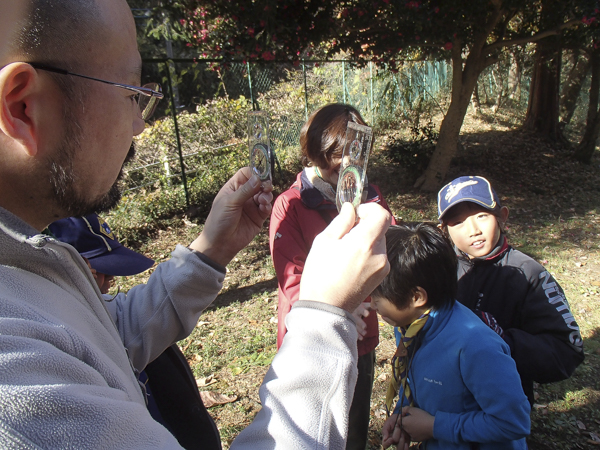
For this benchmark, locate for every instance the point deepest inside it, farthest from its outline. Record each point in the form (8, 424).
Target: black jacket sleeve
(547, 344)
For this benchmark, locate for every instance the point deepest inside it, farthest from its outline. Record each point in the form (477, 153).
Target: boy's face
(473, 229)
(394, 316)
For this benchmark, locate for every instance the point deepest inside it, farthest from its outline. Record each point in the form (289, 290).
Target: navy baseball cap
(93, 239)
(467, 189)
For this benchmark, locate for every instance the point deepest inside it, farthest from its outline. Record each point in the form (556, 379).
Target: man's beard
(63, 178)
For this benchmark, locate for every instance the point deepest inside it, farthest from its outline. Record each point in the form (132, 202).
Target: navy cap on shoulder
(93, 239)
(467, 189)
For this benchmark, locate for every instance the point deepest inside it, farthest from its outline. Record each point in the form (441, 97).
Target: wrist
(213, 252)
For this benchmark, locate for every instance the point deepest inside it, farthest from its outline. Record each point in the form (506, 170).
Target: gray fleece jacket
(66, 377)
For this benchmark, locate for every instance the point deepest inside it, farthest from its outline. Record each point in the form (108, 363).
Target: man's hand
(417, 423)
(347, 262)
(237, 214)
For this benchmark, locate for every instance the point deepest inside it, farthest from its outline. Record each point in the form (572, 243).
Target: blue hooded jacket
(462, 373)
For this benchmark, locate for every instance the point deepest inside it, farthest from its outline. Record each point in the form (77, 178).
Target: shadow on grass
(243, 294)
(568, 415)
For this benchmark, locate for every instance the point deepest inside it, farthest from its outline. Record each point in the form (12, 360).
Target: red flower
(448, 46)
(251, 32)
(268, 56)
(588, 20)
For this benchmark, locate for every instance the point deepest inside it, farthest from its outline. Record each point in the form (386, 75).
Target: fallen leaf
(210, 398)
(207, 381)
(380, 414)
(581, 425)
(595, 437)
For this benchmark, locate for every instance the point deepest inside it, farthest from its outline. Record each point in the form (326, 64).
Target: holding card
(261, 157)
(354, 164)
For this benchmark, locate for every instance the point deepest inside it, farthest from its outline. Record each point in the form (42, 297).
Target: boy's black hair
(420, 256)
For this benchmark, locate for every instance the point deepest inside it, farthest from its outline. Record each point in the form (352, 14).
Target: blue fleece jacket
(462, 373)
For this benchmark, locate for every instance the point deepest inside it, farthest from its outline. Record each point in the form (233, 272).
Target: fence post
(174, 113)
(250, 86)
(305, 91)
(372, 106)
(344, 80)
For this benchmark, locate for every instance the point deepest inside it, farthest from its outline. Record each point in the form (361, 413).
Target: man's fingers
(342, 223)
(378, 218)
(246, 191)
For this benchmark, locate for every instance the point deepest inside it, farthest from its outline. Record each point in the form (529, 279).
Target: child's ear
(503, 215)
(420, 297)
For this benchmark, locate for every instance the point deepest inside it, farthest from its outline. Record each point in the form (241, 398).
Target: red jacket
(299, 214)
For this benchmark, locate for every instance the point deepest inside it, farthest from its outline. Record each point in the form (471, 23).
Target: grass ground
(555, 218)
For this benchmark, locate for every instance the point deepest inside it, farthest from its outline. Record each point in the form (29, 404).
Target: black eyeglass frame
(141, 90)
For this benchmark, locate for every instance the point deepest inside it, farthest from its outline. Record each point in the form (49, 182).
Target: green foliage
(414, 153)
(214, 146)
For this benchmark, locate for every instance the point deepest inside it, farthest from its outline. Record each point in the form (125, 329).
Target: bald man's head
(57, 32)
(11, 14)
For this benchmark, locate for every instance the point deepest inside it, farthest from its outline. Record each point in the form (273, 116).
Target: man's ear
(18, 83)
(420, 297)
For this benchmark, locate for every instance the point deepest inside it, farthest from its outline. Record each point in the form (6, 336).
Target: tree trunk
(515, 76)
(572, 87)
(542, 110)
(499, 83)
(475, 100)
(463, 84)
(586, 147)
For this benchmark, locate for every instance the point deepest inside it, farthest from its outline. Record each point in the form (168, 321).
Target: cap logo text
(454, 189)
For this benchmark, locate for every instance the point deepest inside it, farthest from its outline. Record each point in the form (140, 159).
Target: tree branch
(526, 39)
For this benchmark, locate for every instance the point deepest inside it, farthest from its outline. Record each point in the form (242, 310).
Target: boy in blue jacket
(510, 291)
(459, 386)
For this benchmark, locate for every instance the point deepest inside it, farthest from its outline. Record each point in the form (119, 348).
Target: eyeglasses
(147, 96)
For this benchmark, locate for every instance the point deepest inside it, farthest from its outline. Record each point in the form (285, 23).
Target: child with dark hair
(510, 291)
(459, 387)
(302, 212)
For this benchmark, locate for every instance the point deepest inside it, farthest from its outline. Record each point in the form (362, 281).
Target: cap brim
(121, 261)
(468, 199)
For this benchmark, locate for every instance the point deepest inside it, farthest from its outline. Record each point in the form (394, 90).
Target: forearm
(154, 315)
(306, 394)
(542, 357)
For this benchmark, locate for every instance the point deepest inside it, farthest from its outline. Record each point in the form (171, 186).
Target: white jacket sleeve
(152, 316)
(307, 392)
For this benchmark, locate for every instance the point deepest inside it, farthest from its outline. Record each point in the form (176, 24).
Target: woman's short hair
(420, 256)
(323, 136)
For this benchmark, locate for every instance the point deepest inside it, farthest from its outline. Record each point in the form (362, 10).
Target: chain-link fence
(203, 113)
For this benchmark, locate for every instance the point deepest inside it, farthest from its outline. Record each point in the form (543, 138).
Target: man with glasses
(70, 104)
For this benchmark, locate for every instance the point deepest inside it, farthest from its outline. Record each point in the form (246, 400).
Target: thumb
(246, 191)
(342, 223)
